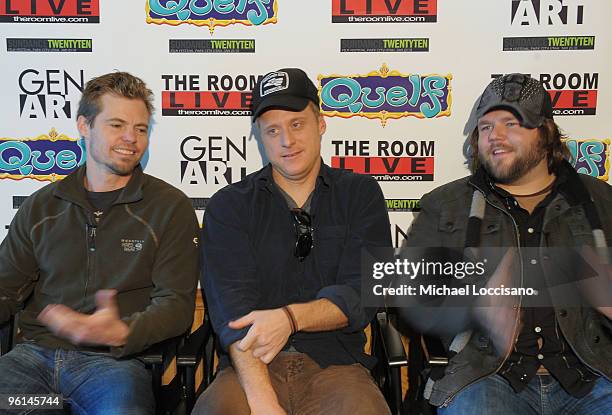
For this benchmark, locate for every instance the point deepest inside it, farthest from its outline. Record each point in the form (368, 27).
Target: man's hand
(497, 315)
(100, 328)
(269, 332)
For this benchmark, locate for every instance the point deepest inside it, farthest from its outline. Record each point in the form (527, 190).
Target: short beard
(119, 171)
(519, 168)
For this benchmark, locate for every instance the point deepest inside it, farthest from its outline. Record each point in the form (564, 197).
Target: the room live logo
(385, 94)
(384, 11)
(49, 11)
(212, 13)
(48, 157)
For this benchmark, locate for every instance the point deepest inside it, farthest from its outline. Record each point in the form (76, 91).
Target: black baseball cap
(287, 89)
(522, 95)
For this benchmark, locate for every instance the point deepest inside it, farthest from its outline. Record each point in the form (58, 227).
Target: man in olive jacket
(513, 358)
(100, 265)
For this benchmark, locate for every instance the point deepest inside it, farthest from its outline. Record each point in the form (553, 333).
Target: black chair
(387, 346)
(426, 354)
(197, 353)
(169, 398)
(8, 332)
(200, 347)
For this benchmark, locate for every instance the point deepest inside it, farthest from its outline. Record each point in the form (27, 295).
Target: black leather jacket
(443, 221)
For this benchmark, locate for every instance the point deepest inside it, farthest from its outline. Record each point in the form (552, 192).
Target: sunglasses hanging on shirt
(303, 233)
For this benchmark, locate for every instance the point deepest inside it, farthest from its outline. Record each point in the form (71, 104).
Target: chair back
(8, 334)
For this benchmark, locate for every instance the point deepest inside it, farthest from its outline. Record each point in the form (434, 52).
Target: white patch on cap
(273, 82)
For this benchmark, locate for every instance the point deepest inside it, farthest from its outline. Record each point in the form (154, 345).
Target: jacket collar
(72, 188)
(568, 183)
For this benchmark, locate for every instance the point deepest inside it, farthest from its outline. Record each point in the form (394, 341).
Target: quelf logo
(49, 93)
(212, 13)
(48, 157)
(590, 156)
(384, 11)
(385, 94)
(214, 161)
(394, 160)
(50, 11)
(224, 95)
(572, 94)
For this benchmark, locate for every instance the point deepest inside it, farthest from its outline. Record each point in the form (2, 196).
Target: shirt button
(540, 356)
(538, 329)
(533, 261)
(530, 230)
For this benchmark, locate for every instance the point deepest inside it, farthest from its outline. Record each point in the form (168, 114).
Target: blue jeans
(90, 383)
(543, 396)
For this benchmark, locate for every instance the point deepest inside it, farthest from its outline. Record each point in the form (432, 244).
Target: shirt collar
(483, 181)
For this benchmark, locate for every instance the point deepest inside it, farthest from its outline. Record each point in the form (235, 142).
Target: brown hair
(121, 84)
(551, 141)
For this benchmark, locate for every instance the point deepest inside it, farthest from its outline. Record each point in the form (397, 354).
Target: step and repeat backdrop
(397, 81)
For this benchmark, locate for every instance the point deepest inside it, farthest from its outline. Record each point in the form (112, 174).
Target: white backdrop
(461, 41)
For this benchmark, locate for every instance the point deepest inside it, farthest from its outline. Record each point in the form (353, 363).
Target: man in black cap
(281, 270)
(523, 193)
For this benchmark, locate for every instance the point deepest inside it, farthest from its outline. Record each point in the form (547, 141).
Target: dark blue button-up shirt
(248, 246)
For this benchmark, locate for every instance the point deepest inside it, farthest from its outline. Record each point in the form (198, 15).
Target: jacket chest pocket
(579, 228)
(574, 229)
(452, 229)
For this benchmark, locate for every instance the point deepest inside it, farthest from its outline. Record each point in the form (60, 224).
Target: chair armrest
(435, 354)
(191, 352)
(162, 352)
(391, 341)
(199, 347)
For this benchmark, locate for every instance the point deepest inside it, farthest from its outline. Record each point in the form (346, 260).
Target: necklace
(538, 193)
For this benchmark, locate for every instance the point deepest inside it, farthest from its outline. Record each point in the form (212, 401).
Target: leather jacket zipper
(518, 312)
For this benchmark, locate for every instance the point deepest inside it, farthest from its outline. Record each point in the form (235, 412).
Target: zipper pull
(91, 237)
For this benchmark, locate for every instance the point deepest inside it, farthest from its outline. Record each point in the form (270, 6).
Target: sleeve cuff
(348, 301)
(228, 336)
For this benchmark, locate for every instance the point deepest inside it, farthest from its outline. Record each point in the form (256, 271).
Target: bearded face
(507, 150)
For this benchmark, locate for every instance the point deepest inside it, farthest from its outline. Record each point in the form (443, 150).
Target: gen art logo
(49, 93)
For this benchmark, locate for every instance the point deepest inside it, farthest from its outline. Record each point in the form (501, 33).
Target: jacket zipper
(91, 249)
(518, 310)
